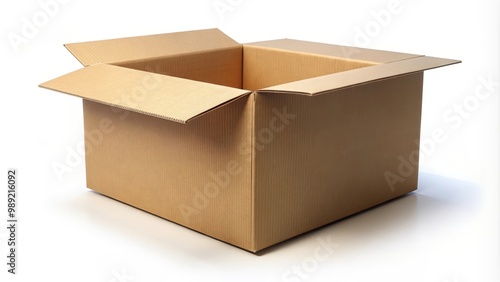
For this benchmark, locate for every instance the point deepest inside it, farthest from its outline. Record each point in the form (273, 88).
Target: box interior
(249, 67)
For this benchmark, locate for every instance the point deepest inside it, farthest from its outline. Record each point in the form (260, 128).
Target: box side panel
(265, 67)
(322, 158)
(191, 174)
(223, 67)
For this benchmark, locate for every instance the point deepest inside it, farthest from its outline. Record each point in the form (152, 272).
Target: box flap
(150, 46)
(167, 97)
(341, 80)
(338, 51)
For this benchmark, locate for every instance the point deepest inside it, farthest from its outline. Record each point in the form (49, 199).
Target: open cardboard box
(251, 144)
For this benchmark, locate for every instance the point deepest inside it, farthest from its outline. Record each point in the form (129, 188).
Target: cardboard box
(251, 144)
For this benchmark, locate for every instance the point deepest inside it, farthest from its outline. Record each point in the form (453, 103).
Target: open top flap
(336, 51)
(167, 97)
(327, 83)
(150, 46)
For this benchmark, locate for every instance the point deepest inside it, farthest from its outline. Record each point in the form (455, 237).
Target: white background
(446, 231)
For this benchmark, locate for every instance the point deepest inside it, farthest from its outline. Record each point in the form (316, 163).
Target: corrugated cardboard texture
(152, 94)
(141, 48)
(223, 67)
(351, 78)
(176, 171)
(264, 67)
(328, 159)
(370, 56)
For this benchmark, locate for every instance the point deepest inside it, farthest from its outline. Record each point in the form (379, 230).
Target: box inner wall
(249, 68)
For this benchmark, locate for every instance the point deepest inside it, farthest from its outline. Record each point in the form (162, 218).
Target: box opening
(250, 68)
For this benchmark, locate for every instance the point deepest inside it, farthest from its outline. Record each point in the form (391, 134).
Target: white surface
(446, 231)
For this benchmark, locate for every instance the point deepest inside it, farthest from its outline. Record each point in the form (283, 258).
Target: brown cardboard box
(251, 144)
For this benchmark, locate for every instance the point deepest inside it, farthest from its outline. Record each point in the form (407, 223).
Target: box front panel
(322, 158)
(191, 174)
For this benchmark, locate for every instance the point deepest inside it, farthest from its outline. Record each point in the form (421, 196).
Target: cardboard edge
(359, 76)
(252, 173)
(281, 45)
(218, 107)
(69, 46)
(178, 223)
(380, 204)
(74, 55)
(182, 121)
(450, 62)
(309, 54)
(120, 63)
(118, 106)
(152, 114)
